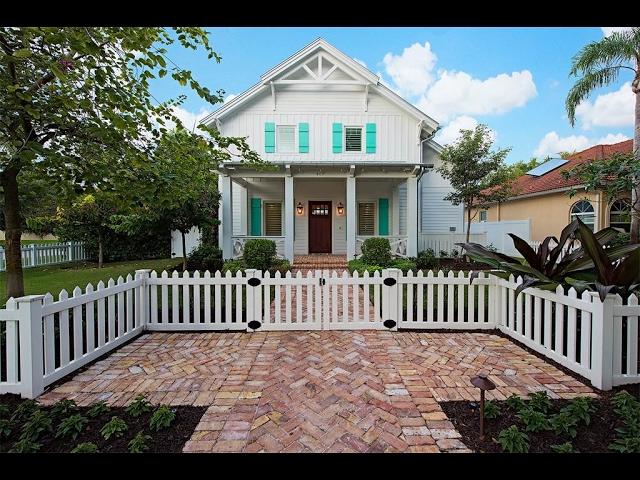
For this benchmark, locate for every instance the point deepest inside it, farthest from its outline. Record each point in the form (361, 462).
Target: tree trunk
(184, 251)
(13, 233)
(468, 223)
(635, 191)
(100, 251)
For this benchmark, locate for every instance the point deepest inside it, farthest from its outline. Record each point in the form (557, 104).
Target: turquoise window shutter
(383, 216)
(371, 138)
(303, 137)
(337, 138)
(269, 137)
(256, 217)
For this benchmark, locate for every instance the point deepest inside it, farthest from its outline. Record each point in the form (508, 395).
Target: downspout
(422, 171)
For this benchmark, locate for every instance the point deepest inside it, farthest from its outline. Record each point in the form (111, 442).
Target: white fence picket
(39, 254)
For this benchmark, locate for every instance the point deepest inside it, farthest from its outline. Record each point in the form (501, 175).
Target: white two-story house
(352, 160)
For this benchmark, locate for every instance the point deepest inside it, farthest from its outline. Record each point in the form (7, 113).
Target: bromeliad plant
(584, 266)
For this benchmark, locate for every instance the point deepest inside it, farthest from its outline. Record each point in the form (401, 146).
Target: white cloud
(451, 132)
(231, 96)
(613, 109)
(611, 138)
(552, 144)
(360, 62)
(458, 93)
(189, 119)
(606, 31)
(411, 71)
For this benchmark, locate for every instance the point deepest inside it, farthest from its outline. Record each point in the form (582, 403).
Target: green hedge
(404, 264)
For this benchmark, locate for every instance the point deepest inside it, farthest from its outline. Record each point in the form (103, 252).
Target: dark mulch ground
(169, 440)
(594, 438)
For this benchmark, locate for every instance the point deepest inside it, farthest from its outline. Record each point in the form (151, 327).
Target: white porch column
(412, 216)
(225, 230)
(351, 218)
(288, 218)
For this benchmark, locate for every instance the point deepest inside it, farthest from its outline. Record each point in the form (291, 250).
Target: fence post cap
(29, 298)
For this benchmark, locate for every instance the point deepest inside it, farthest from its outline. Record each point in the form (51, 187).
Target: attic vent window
(353, 139)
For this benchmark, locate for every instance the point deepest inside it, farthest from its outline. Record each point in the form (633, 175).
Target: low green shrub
(563, 448)
(38, 423)
(85, 447)
(359, 266)
(139, 443)
(63, 407)
(139, 406)
(513, 440)
(25, 445)
(98, 409)
(376, 251)
(427, 260)
(534, 421)
(564, 424)
(540, 402)
(205, 257)
(162, 418)
(5, 428)
(233, 266)
(491, 410)
(114, 428)
(581, 409)
(71, 426)
(259, 253)
(515, 403)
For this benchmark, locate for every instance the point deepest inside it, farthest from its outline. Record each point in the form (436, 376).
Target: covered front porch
(320, 208)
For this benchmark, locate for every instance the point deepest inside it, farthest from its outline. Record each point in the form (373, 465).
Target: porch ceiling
(336, 169)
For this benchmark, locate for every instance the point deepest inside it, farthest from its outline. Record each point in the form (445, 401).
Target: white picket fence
(38, 254)
(44, 339)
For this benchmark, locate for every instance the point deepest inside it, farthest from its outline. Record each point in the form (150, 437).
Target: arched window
(585, 212)
(620, 215)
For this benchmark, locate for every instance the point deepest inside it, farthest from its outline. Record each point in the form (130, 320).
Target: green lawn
(54, 278)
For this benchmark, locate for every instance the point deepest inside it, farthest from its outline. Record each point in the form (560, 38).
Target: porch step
(320, 262)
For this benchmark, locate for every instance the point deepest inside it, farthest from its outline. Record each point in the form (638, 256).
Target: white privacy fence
(447, 241)
(38, 254)
(44, 339)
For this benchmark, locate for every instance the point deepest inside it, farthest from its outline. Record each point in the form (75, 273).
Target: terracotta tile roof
(528, 184)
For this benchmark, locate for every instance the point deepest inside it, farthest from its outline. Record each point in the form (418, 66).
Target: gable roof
(317, 45)
(553, 180)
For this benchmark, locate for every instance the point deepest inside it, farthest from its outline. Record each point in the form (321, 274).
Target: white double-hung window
(286, 138)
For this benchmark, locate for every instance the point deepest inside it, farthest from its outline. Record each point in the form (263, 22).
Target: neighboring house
(541, 197)
(351, 158)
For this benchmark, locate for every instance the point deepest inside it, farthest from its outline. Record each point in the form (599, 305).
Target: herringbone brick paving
(326, 391)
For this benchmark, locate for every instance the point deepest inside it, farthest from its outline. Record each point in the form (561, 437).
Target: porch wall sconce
(300, 208)
(340, 208)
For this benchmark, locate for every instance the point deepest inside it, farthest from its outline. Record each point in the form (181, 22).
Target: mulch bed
(168, 440)
(594, 438)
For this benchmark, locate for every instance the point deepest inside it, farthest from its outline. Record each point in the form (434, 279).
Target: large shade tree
(76, 106)
(477, 173)
(599, 64)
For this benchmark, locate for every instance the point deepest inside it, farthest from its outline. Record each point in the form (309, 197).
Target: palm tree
(599, 64)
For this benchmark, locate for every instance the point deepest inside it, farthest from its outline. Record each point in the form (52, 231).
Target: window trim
(296, 141)
(582, 214)
(486, 215)
(264, 217)
(622, 199)
(375, 218)
(344, 138)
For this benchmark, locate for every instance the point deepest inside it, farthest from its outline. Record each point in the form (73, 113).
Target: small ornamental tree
(87, 219)
(77, 105)
(477, 174)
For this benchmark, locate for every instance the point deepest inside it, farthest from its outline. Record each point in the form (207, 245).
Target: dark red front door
(319, 227)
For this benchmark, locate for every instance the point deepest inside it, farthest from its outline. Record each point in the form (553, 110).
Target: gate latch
(322, 281)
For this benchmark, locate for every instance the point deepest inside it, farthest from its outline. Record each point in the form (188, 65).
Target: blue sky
(515, 80)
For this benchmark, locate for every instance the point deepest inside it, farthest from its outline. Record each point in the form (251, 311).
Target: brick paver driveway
(351, 391)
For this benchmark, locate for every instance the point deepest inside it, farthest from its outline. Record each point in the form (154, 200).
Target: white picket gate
(44, 339)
